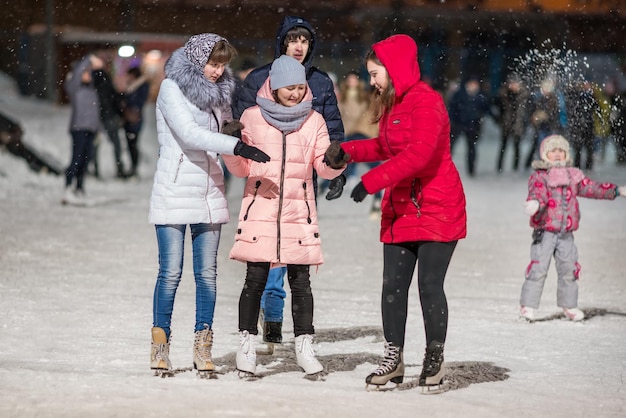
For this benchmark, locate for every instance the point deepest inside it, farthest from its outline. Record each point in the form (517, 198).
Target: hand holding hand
(359, 193)
(531, 207)
(231, 128)
(335, 188)
(335, 156)
(252, 153)
(621, 191)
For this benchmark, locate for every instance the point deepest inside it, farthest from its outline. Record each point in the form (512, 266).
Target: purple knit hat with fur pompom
(199, 47)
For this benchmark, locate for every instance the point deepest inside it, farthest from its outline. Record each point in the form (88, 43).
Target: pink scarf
(564, 176)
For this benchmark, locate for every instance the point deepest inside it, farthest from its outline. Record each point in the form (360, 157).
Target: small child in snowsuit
(552, 204)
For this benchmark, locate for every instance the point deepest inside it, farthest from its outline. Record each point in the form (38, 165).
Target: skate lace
(305, 346)
(162, 353)
(203, 344)
(432, 361)
(390, 361)
(247, 344)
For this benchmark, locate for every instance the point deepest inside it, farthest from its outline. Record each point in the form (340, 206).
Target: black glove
(359, 193)
(335, 156)
(232, 128)
(251, 153)
(335, 188)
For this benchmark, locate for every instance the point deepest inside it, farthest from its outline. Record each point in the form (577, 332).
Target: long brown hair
(381, 102)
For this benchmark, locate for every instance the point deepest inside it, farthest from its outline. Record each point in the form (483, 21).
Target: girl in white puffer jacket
(192, 106)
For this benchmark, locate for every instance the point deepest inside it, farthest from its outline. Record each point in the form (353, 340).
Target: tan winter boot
(160, 351)
(202, 344)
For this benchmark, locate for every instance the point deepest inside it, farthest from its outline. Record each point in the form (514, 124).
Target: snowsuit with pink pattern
(557, 190)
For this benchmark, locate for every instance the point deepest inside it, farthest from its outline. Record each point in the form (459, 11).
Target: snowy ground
(76, 292)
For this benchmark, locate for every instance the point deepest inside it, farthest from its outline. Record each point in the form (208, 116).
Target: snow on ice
(76, 290)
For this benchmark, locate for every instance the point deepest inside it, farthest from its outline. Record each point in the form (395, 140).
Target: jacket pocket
(247, 237)
(175, 171)
(310, 240)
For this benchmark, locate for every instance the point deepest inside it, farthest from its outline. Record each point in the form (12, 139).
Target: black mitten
(252, 153)
(335, 156)
(335, 188)
(232, 128)
(359, 193)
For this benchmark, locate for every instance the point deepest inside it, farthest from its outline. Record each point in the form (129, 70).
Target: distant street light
(126, 51)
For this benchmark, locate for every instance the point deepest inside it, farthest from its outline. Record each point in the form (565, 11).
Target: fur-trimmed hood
(546, 165)
(195, 85)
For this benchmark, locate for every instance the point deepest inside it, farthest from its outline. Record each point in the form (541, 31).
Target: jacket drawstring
(308, 208)
(256, 190)
(414, 198)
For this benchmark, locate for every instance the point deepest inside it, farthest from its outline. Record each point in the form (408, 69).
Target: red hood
(398, 54)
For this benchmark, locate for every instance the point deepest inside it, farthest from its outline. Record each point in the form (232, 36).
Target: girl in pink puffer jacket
(278, 217)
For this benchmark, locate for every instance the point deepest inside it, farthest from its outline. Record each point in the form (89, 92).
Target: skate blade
(435, 389)
(249, 376)
(317, 377)
(371, 387)
(207, 374)
(163, 373)
(525, 320)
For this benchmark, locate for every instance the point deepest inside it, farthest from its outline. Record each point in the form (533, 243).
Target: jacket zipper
(256, 190)
(180, 161)
(206, 191)
(281, 195)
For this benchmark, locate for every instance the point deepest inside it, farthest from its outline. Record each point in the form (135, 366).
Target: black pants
(82, 150)
(399, 265)
(132, 139)
(301, 297)
(504, 139)
(471, 136)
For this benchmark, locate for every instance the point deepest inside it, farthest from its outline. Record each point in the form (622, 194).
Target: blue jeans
(273, 299)
(205, 240)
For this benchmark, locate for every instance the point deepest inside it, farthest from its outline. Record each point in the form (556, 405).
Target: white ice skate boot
(246, 355)
(160, 351)
(390, 369)
(202, 360)
(527, 314)
(574, 314)
(305, 355)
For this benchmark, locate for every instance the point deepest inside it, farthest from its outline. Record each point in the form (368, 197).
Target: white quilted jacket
(189, 180)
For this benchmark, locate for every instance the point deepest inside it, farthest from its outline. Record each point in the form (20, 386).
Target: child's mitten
(531, 207)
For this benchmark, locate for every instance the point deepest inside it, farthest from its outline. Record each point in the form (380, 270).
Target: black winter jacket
(324, 99)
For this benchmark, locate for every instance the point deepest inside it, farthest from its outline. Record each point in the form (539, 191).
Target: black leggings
(399, 265)
(301, 297)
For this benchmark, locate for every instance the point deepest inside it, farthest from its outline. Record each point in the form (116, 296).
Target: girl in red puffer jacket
(423, 208)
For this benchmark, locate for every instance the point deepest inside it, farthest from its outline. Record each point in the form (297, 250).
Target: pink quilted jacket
(278, 217)
(558, 199)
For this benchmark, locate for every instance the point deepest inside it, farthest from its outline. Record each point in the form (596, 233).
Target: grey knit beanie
(286, 71)
(199, 47)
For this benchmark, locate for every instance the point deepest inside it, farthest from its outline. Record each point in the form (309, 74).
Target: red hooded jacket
(424, 198)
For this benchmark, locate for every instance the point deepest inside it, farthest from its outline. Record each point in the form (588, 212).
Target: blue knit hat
(198, 48)
(286, 71)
